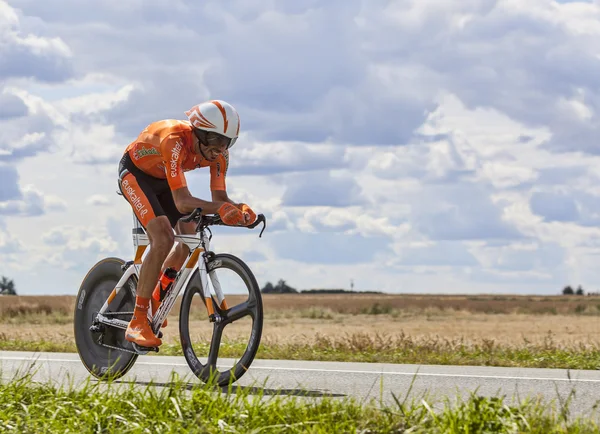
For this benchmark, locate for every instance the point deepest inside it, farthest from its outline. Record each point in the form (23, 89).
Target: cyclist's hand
(231, 215)
(249, 215)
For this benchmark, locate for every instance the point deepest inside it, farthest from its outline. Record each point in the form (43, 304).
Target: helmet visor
(216, 140)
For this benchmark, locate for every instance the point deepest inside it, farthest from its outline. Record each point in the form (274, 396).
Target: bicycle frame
(196, 259)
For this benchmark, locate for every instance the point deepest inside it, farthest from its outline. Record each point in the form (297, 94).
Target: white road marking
(342, 371)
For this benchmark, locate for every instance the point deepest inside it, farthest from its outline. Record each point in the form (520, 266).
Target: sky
(413, 146)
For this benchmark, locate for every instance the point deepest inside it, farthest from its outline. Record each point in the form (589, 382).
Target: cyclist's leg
(139, 190)
(161, 239)
(177, 257)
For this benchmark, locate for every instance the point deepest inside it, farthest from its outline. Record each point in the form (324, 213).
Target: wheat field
(567, 320)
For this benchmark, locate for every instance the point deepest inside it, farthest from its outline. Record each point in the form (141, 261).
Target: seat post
(140, 239)
(137, 226)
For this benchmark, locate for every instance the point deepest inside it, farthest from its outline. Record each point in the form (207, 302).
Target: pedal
(143, 350)
(97, 328)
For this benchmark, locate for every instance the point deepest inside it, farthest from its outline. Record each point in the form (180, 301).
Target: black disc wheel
(101, 361)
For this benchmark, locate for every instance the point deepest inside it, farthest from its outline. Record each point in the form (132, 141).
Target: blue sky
(411, 146)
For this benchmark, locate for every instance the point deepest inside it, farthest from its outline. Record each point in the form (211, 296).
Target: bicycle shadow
(252, 390)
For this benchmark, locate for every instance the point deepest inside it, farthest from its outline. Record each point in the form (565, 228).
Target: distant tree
(284, 288)
(280, 288)
(7, 286)
(337, 291)
(579, 290)
(568, 290)
(268, 288)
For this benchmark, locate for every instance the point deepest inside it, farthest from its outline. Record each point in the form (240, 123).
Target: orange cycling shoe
(140, 332)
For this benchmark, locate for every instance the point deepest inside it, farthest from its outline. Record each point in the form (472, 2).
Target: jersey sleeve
(218, 172)
(173, 153)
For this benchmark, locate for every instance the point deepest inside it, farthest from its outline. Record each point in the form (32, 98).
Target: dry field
(426, 330)
(505, 320)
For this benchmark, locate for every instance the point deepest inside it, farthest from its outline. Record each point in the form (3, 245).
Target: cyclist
(151, 178)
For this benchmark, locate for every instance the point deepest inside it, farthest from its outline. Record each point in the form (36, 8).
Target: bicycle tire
(205, 372)
(102, 362)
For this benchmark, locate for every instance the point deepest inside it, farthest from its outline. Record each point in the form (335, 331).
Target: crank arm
(112, 322)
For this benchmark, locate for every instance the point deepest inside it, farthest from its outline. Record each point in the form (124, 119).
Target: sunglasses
(218, 141)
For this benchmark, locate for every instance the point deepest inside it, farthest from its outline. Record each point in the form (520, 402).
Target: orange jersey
(165, 150)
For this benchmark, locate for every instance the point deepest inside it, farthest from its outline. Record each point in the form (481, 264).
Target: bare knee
(161, 236)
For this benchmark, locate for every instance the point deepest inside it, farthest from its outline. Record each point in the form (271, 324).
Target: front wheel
(104, 361)
(248, 305)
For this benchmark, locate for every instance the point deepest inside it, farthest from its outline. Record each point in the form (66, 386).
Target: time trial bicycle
(106, 300)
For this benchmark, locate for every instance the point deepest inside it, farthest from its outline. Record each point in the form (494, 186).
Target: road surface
(360, 380)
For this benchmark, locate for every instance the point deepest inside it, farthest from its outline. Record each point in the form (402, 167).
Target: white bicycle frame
(198, 245)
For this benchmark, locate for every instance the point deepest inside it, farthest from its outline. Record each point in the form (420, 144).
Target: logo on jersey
(175, 157)
(136, 201)
(226, 155)
(144, 152)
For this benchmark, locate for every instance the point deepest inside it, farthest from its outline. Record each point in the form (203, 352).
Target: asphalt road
(360, 380)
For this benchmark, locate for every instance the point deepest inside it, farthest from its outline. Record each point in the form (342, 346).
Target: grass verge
(382, 349)
(29, 407)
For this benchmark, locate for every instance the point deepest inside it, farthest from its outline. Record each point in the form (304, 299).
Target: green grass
(179, 407)
(382, 349)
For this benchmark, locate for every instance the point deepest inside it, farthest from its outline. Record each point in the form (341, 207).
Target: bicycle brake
(126, 265)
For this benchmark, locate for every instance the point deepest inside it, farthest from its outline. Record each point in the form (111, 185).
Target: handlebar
(209, 220)
(197, 212)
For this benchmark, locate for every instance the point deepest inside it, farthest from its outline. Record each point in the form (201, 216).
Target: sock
(141, 307)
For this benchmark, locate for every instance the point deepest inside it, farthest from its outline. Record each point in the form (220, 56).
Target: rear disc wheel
(100, 361)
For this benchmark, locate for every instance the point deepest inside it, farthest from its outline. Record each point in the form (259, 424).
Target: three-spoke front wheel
(242, 315)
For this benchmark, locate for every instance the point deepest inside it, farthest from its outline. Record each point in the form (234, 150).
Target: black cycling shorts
(149, 197)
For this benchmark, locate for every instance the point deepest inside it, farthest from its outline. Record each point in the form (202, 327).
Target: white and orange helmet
(216, 116)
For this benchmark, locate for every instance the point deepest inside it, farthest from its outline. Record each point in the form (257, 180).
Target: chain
(101, 343)
(119, 348)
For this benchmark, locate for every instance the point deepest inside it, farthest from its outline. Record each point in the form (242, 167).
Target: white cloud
(31, 202)
(80, 238)
(350, 220)
(321, 189)
(29, 55)
(8, 244)
(410, 145)
(263, 158)
(97, 200)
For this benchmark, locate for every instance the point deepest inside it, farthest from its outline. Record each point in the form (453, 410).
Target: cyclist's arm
(173, 153)
(221, 196)
(186, 203)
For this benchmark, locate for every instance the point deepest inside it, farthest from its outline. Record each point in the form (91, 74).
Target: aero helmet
(218, 119)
